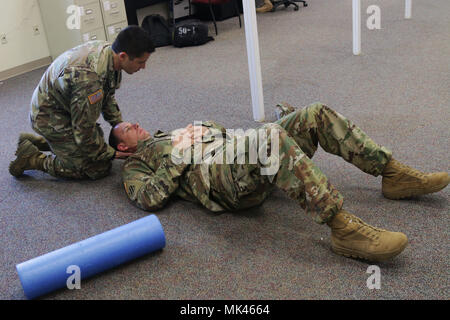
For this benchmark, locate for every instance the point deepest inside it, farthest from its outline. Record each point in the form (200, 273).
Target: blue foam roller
(107, 250)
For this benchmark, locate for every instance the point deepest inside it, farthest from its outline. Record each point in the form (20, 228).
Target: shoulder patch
(96, 96)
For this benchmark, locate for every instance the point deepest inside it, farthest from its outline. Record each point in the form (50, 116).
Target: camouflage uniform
(77, 87)
(153, 174)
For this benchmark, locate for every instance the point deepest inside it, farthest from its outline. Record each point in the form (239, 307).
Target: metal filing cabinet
(99, 20)
(180, 8)
(114, 17)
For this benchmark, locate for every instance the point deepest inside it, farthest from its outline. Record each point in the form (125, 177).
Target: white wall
(17, 18)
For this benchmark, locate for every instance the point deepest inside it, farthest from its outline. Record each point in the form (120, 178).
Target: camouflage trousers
(299, 133)
(68, 161)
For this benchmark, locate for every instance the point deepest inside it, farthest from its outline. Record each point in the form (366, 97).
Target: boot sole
(397, 195)
(373, 257)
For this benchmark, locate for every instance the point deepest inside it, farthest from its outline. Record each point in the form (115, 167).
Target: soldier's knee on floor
(98, 170)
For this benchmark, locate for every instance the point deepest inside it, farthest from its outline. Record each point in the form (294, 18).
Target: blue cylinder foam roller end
(107, 250)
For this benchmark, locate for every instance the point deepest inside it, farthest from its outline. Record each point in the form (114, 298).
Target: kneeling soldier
(78, 86)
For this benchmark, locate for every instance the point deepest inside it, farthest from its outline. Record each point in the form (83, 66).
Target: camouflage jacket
(158, 171)
(77, 87)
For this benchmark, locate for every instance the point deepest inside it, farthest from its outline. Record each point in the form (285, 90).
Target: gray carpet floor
(397, 91)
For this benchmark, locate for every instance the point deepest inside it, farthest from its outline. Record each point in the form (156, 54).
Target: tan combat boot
(400, 181)
(38, 141)
(266, 7)
(28, 158)
(352, 237)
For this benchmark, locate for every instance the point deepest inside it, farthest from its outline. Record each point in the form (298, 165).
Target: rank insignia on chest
(96, 96)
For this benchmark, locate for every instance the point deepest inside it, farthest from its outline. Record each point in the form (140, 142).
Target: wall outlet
(36, 30)
(3, 39)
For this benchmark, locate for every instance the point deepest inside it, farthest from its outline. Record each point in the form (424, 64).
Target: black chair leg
(212, 15)
(237, 12)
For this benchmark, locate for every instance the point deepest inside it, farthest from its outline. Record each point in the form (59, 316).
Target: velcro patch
(96, 96)
(131, 189)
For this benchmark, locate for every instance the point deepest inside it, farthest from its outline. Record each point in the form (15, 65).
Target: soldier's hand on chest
(184, 138)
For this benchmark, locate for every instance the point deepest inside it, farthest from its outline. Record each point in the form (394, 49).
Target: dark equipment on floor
(287, 3)
(159, 30)
(190, 33)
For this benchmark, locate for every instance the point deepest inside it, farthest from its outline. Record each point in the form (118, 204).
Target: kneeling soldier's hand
(122, 155)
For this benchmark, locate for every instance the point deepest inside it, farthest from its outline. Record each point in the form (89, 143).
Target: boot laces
(409, 170)
(366, 229)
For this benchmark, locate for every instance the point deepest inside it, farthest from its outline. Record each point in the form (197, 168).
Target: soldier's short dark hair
(134, 41)
(113, 141)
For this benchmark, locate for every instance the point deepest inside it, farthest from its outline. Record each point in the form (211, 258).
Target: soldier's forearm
(113, 121)
(109, 154)
(111, 112)
(151, 191)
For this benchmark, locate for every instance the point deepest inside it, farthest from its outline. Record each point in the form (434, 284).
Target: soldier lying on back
(78, 86)
(203, 164)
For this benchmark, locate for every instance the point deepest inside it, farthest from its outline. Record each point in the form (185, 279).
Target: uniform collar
(112, 76)
(143, 143)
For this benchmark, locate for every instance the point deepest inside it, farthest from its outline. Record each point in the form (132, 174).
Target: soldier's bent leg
(300, 178)
(66, 169)
(304, 182)
(29, 157)
(69, 163)
(318, 123)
